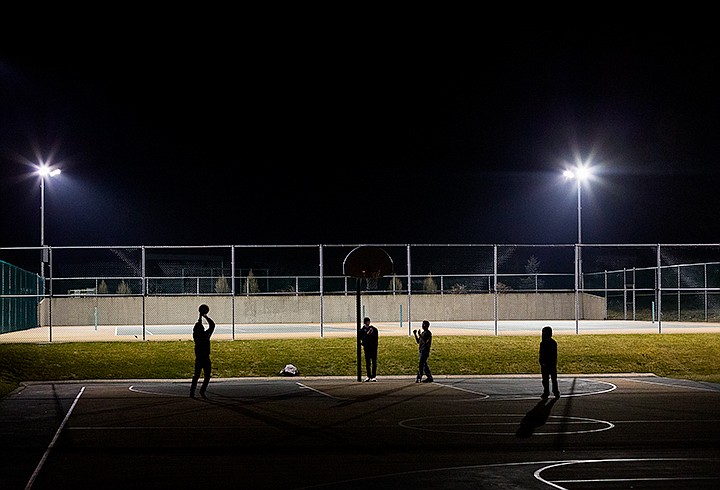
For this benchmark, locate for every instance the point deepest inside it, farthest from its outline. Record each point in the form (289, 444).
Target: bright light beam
(45, 171)
(580, 172)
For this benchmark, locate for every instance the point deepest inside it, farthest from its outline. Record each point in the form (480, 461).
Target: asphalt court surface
(624, 431)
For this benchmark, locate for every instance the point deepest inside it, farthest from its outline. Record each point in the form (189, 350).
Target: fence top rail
(582, 245)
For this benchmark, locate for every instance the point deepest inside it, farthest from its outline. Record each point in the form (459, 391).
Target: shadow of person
(535, 418)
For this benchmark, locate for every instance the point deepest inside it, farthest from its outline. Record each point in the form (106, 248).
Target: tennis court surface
(620, 431)
(124, 333)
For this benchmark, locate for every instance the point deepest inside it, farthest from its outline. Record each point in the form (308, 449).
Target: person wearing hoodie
(548, 363)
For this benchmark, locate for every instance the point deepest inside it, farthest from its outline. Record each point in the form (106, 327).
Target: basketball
(204, 309)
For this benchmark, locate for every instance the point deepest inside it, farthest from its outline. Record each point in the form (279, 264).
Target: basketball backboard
(367, 262)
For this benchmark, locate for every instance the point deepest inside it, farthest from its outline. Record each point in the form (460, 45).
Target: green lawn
(690, 356)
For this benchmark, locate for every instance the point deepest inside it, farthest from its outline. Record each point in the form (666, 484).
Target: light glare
(583, 173)
(580, 172)
(45, 171)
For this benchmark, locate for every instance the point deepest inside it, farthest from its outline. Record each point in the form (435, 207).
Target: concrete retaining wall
(178, 310)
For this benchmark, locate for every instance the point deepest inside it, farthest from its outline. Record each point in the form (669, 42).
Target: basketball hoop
(366, 262)
(369, 263)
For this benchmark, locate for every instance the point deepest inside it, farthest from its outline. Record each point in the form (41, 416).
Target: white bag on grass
(289, 370)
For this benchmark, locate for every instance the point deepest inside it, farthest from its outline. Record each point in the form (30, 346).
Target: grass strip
(690, 356)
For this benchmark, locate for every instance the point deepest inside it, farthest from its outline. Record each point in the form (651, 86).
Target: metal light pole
(580, 173)
(44, 171)
(579, 220)
(579, 206)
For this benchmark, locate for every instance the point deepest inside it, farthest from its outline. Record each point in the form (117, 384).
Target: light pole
(44, 171)
(579, 173)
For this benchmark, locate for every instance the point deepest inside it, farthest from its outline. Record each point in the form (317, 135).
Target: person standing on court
(424, 341)
(369, 341)
(548, 363)
(201, 337)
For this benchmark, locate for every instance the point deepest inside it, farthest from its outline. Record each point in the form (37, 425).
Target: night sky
(276, 130)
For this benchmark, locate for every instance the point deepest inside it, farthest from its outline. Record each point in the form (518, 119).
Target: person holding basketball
(424, 341)
(369, 340)
(201, 337)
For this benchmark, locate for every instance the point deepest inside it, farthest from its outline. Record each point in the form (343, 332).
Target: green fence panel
(18, 298)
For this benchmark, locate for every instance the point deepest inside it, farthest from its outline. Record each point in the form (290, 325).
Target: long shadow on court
(381, 394)
(282, 422)
(564, 421)
(535, 418)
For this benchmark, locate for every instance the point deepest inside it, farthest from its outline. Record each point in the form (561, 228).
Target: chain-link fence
(152, 292)
(19, 295)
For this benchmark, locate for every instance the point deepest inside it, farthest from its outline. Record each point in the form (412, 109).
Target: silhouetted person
(202, 354)
(548, 363)
(424, 341)
(369, 340)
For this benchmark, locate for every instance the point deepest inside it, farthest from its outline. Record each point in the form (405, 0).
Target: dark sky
(269, 130)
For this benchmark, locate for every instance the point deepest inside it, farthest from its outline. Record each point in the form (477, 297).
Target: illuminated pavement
(616, 431)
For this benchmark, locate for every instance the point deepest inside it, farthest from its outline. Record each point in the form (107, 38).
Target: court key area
(620, 431)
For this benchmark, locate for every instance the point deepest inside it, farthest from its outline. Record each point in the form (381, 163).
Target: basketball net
(372, 280)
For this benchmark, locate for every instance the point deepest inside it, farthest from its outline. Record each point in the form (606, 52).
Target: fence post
(495, 289)
(143, 290)
(322, 298)
(577, 289)
(658, 289)
(409, 278)
(50, 325)
(232, 288)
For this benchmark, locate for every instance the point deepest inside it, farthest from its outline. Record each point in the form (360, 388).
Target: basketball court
(622, 431)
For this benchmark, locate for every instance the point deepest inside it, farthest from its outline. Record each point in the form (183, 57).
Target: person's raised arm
(211, 324)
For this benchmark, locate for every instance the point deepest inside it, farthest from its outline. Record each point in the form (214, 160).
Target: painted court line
(505, 397)
(439, 424)
(553, 484)
(301, 385)
(479, 393)
(599, 392)
(616, 480)
(156, 393)
(673, 385)
(52, 443)
(536, 474)
(668, 421)
(421, 472)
